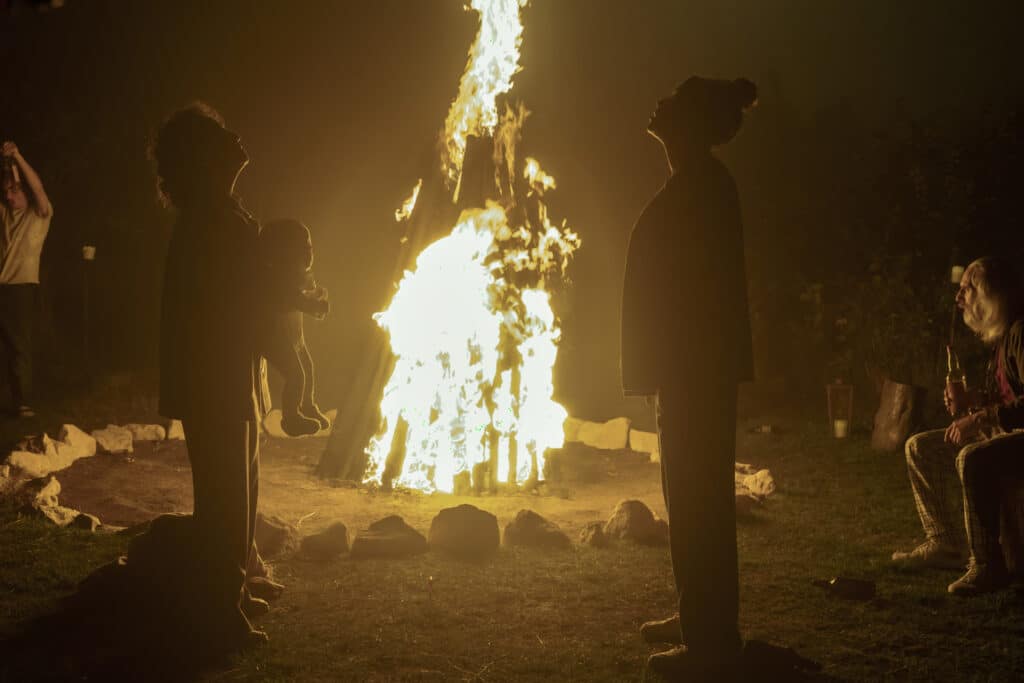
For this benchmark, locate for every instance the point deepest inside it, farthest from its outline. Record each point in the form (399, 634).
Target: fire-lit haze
(471, 325)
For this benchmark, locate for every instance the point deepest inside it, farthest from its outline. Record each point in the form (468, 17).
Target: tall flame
(471, 325)
(493, 61)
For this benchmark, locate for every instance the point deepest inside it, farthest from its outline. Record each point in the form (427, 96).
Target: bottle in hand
(956, 385)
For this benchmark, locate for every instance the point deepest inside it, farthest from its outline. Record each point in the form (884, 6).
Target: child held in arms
(286, 250)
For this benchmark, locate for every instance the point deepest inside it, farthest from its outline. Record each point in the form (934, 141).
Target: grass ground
(527, 616)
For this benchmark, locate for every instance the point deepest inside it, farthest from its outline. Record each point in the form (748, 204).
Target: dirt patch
(585, 484)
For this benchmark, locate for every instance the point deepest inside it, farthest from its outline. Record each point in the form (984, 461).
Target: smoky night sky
(339, 104)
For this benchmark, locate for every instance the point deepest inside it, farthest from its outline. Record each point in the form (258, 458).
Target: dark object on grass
(592, 534)
(274, 535)
(388, 537)
(634, 521)
(531, 530)
(898, 415)
(141, 613)
(328, 544)
(464, 531)
(847, 588)
(766, 662)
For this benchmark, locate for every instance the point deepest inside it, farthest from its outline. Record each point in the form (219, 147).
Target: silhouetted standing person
(686, 340)
(209, 369)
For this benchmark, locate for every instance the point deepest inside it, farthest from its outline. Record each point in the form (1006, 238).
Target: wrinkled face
(14, 196)
(981, 311)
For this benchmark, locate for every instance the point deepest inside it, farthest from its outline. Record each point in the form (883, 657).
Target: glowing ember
(471, 325)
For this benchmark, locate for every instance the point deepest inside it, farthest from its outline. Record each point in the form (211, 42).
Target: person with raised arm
(25, 214)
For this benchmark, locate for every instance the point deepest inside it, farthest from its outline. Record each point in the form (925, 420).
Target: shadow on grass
(126, 644)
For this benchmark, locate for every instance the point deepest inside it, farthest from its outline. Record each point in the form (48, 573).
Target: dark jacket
(1009, 352)
(684, 300)
(209, 365)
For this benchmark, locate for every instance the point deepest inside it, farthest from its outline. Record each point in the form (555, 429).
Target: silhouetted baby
(287, 252)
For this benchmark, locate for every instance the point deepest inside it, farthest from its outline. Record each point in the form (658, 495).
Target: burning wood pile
(473, 337)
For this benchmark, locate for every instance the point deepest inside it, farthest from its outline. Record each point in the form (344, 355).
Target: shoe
(932, 554)
(25, 412)
(313, 412)
(264, 588)
(662, 631)
(981, 578)
(254, 607)
(297, 424)
(255, 638)
(679, 664)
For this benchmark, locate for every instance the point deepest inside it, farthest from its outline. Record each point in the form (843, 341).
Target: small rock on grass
(330, 543)
(274, 535)
(146, 432)
(592, 534)
(465, 531)
(390, 537)
(113, 439)
(175, 431)
(632, 520)
(531, 530)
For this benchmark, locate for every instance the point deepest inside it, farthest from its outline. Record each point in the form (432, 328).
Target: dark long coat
(209, 364)
(684, 302)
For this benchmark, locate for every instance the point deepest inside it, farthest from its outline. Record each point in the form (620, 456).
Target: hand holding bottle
(956, 398)
(955, 394)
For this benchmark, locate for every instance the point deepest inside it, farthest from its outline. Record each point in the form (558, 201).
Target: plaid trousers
(948, 482)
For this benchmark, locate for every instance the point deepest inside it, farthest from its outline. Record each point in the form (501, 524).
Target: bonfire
(473, 338)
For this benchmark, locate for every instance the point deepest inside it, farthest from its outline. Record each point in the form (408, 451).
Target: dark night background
(884, 149)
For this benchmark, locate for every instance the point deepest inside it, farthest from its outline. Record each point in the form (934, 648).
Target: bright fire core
(471, 325)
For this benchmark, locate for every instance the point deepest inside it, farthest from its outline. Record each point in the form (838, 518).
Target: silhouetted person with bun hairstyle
(286, 251)
(686, 341)
(209, 363)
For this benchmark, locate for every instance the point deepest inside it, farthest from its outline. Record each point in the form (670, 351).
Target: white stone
(761, 483)
(59, 515)
(175, 431)
(146, 432)
(83, 445)
(43, 445)
(38, 465)
(39, 456)
(571, 428)
(645, 442)
(47, 495)
(272, 424)
(113, 439)
(611, 435)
